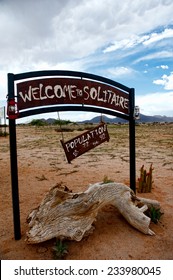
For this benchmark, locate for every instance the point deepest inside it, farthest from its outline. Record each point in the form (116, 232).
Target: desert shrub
(60, 250)
(61, 122)
(38, 122)
(154, 214)
(106, 180)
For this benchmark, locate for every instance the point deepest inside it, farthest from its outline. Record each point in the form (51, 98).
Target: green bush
(38, 122)
(154, 214)
(61, 122)
(60, 250)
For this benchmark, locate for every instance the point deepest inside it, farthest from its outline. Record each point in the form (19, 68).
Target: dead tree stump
(66, 215)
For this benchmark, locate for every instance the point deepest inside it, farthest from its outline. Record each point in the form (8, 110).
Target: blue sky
(128, 41)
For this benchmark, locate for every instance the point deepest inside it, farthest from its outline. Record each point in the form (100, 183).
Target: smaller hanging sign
(85, 141)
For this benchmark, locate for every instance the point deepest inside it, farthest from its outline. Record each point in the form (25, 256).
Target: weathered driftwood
(68, 215)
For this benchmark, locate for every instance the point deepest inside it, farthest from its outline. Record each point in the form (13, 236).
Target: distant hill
(143, 119)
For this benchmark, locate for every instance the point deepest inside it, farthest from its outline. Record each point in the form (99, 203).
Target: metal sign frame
(65, 91)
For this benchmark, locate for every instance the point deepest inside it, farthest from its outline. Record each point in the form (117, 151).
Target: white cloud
(158, 103)
(155, 37)
(131, 42)
(3, 85)
(135, 40)
(155, 55)
(158, 82)
(72, 34)
(120, 71)
(69, 65)
(37, 30)
(163, 67)
(166, 81)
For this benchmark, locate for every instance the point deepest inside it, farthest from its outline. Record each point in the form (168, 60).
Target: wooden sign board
(85, 141)
(57, 91)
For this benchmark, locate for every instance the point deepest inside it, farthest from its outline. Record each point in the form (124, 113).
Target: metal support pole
(132, 141)
(14, 169)
(14, 179)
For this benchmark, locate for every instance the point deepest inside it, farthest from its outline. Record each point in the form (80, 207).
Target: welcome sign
(49, 91)
(85, 141)
(55, 91)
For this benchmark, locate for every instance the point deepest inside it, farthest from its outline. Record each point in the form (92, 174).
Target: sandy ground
(42, 164)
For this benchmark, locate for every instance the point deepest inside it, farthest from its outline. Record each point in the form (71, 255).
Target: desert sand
(42, 164)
